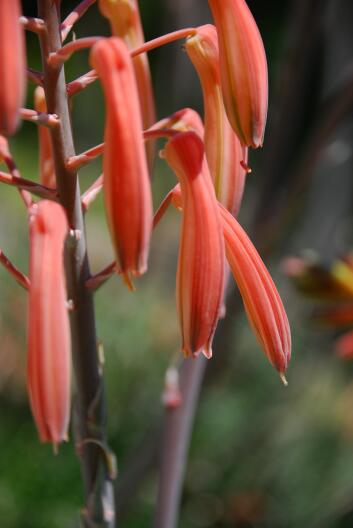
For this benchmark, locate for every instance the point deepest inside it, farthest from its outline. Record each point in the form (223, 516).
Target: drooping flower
(225, 155)
(200, 274)
(261, 299)
(127, 192)
(46, 160)
(125, 22)
(262, 302)
(49, 355)
(12, 66)
(243, 69)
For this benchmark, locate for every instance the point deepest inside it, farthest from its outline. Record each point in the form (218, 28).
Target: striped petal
(48, 323)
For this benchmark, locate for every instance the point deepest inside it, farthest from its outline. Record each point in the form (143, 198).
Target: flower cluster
(209, 158)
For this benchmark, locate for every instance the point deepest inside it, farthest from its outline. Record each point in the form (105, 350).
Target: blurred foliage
(261, 455)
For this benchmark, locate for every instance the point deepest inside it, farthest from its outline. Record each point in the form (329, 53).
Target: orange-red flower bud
(225, 155)
(12, 65)
(243, 69)
(127, 192)
(46, 160)
(48, 323)
(261, 299)
(125, 21)
(200, 273)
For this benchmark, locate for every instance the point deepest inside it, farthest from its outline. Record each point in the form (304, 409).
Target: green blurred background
(261, 455)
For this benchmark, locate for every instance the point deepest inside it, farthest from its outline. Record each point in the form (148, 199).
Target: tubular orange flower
(46, 161)
(243, 69)
(261, 299)
(124, 18)
(126, 184)
(225, 155)
(12, 65)
(200, 273)
(48, 323)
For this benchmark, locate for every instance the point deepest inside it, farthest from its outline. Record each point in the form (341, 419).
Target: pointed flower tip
(283, 379)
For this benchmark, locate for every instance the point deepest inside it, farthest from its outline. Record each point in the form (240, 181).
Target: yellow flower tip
(127, 280)
(283, 379)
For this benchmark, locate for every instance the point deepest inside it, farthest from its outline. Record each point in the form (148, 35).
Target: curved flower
(262, 302)
(49, 360)
(124, 18)
(12, 66)
(243, 69)
(225, 155)
(127, 192)
(200, 273)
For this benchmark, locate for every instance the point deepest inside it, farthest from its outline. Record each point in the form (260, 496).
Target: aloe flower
(12, 66)
(125, 22)
(48, 323)
(46, 160)
(261, 299)
(225, 155)
(200, 274)
(243, 69)
(262, 302)
(127, 192)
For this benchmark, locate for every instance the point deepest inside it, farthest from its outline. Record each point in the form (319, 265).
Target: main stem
(91, 441)
(176, 439)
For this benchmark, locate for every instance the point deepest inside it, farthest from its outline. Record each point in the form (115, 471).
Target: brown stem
(177, 432)
(28, 185)
(99, 509)
(17, 274)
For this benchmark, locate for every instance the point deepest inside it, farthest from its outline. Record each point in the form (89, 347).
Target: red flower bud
(49, 356)
(223, 150)
(12, 65)
(200, 275)
(243, 69)
(127, 192)
(125, 21)
(261, 299)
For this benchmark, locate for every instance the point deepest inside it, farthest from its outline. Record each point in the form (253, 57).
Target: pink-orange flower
(12, 66)
(200, 273)
(46, 160)
(125, 21)
(243, 69)
(225, 155)
(48, 323)
(127, 192)
(261, 299)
